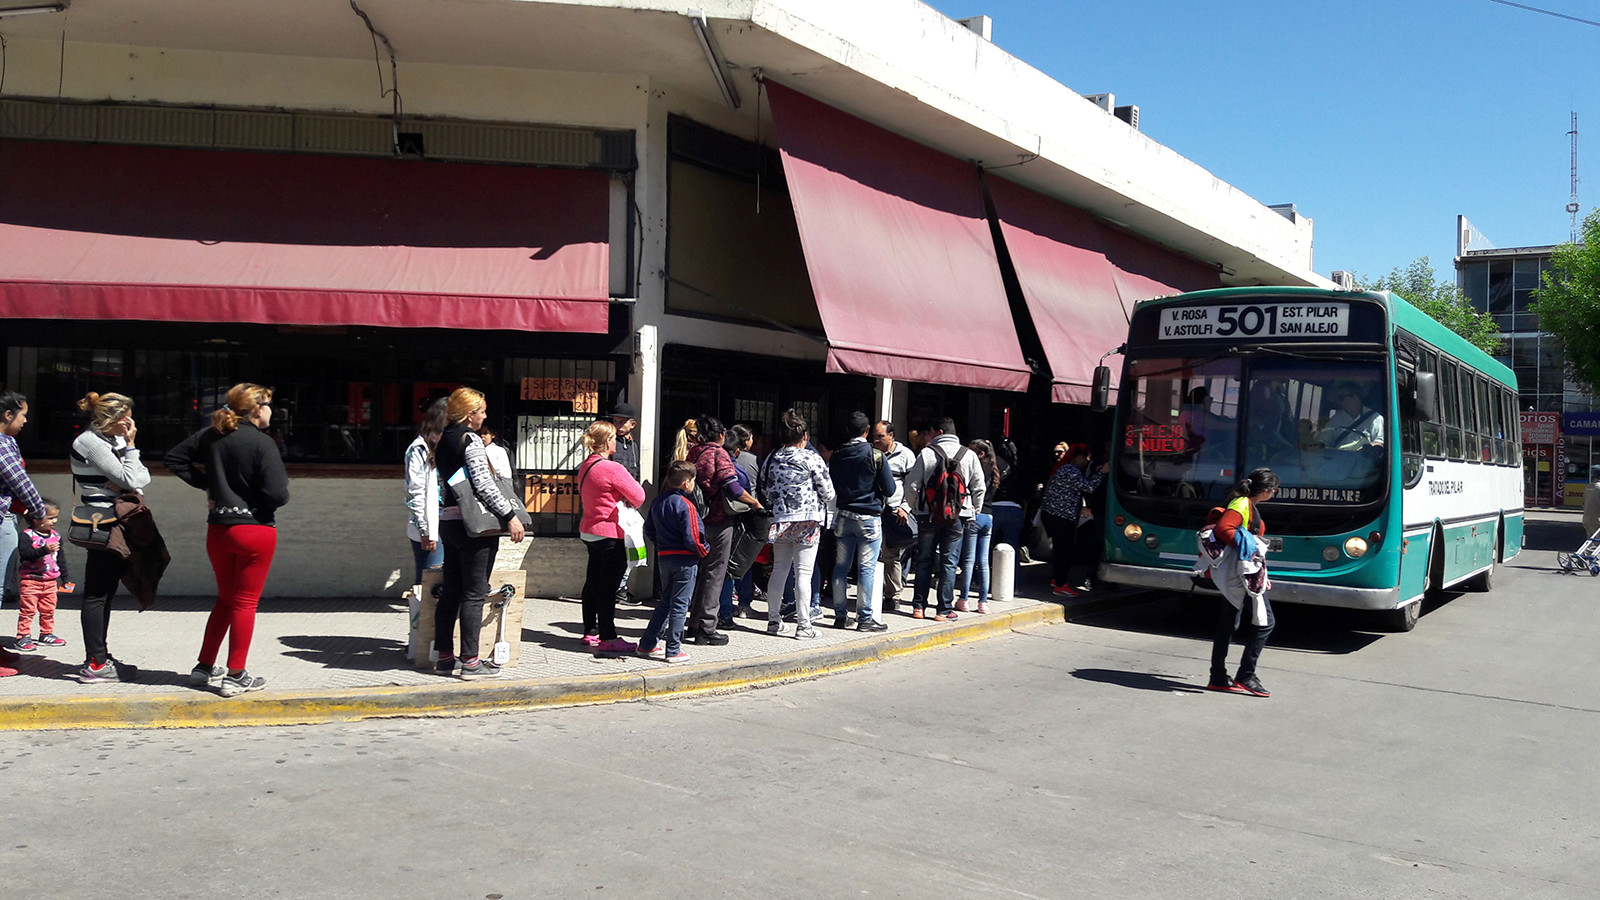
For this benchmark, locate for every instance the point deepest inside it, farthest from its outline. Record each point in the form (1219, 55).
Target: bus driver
(1352, 426)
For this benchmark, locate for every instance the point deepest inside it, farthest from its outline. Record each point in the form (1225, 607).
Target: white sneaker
(805, 633)
(243, 683)
(201, 676)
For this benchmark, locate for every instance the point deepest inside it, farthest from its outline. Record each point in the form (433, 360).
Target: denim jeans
(1008, 524)
(8, 549)
(975, 555)
(425, 559)
(737, 590)
(678, 575)
(859, 541)
(947, 539)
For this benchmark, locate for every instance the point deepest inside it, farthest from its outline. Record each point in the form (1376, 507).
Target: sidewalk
(345, 659)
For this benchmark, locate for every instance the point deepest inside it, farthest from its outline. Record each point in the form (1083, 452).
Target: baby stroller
(1585, 558)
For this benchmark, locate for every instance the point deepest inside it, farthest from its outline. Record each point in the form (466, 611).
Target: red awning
(1067, 282)
(1143, 270)
(899, 252)
(92, 231)
(1081, 280)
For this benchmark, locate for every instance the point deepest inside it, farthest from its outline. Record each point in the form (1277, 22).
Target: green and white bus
(1397, 442)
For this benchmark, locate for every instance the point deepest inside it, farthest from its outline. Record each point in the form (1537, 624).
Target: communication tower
(1572, 203)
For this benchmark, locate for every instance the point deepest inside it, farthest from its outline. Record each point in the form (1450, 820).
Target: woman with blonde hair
(688, 436)
(604, 484)
(105, 465)
(467, 559)
(241, 470)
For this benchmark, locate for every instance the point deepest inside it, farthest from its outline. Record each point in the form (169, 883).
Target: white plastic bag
(632, 525)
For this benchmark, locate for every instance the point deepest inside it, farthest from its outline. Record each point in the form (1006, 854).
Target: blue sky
(1380, 120)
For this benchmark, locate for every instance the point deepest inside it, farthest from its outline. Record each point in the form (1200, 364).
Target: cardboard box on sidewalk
(510, 611)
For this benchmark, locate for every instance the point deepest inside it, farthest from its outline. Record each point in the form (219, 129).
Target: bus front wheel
(1405, 618)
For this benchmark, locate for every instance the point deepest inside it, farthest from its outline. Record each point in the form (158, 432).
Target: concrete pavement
(344, 659)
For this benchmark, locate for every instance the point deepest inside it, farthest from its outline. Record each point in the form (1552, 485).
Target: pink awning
(1143, 270)
(101, 232)
(1080, 280)
(1067, 282)
(899, 252)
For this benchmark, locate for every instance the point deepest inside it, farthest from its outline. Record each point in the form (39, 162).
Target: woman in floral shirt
(1063, 504)
(796, 485)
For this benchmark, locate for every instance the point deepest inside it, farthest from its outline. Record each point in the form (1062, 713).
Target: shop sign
(1581, 423)
(550, 493)
(582, 393)
(1540, 427)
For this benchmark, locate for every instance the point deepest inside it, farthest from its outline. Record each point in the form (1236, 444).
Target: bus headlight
(1151, 541)
(1132, 531)
(1330, 553)
(1355, 547)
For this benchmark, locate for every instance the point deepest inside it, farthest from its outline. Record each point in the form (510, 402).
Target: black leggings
(1063, 545)
(465, 585)
(607, 562)
(102, 571)
(1254, 637)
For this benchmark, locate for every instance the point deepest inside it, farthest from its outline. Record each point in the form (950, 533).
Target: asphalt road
(1074, 761)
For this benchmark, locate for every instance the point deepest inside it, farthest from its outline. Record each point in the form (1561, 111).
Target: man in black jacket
(626, 418)
(861, 481)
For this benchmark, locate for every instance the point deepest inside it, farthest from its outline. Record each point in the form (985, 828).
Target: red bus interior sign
(1162, 439)
(1259, 321)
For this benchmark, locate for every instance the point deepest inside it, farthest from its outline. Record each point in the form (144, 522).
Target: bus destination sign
(1259, 320)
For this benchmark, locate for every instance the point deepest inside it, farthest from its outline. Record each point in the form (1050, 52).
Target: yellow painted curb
(200, 710)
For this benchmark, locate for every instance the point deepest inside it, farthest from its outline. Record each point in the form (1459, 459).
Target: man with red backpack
(946, 488)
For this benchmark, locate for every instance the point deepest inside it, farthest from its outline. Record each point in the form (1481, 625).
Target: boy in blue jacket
(673, 527)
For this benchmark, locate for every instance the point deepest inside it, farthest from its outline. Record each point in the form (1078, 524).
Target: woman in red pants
(242, 473)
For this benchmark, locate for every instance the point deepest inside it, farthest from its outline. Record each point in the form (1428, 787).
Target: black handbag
(91, 526)
(898, 534)
(478, 519)
(749, 536)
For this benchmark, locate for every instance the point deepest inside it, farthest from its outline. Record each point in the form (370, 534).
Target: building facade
(760, 205)
(1501, 282)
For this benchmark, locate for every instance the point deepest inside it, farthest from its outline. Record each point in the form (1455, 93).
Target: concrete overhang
(897, 63)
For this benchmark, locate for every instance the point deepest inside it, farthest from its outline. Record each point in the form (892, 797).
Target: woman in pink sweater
(603, 484)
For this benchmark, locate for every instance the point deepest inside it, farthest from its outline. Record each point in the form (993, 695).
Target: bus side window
(1493, 426)
(1471, 429)
(1480, 390)
(1410, 428)
(1452, 409)
(1432, 432)
(1513, 429)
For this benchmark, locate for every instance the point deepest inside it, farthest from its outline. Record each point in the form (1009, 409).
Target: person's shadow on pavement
(1143, 681)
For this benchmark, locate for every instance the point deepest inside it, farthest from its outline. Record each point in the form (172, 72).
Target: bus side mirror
(1427, 393)
(1100, 393)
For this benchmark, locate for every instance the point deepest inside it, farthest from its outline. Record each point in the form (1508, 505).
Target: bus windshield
(1195, 427)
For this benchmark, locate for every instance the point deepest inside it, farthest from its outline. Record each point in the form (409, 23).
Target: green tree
(1442, 300)
(1568, 302)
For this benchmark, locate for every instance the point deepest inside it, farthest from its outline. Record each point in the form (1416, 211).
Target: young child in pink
(43, 569)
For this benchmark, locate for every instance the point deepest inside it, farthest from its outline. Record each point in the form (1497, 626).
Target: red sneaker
(1064, 590)
(918, 614)
(7, 671)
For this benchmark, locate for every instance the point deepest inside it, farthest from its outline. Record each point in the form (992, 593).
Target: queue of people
(827, 518)
(232, 459)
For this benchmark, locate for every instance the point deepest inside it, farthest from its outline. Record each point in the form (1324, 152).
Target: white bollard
(875, 602)
(1002, 572)
(414, 596)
